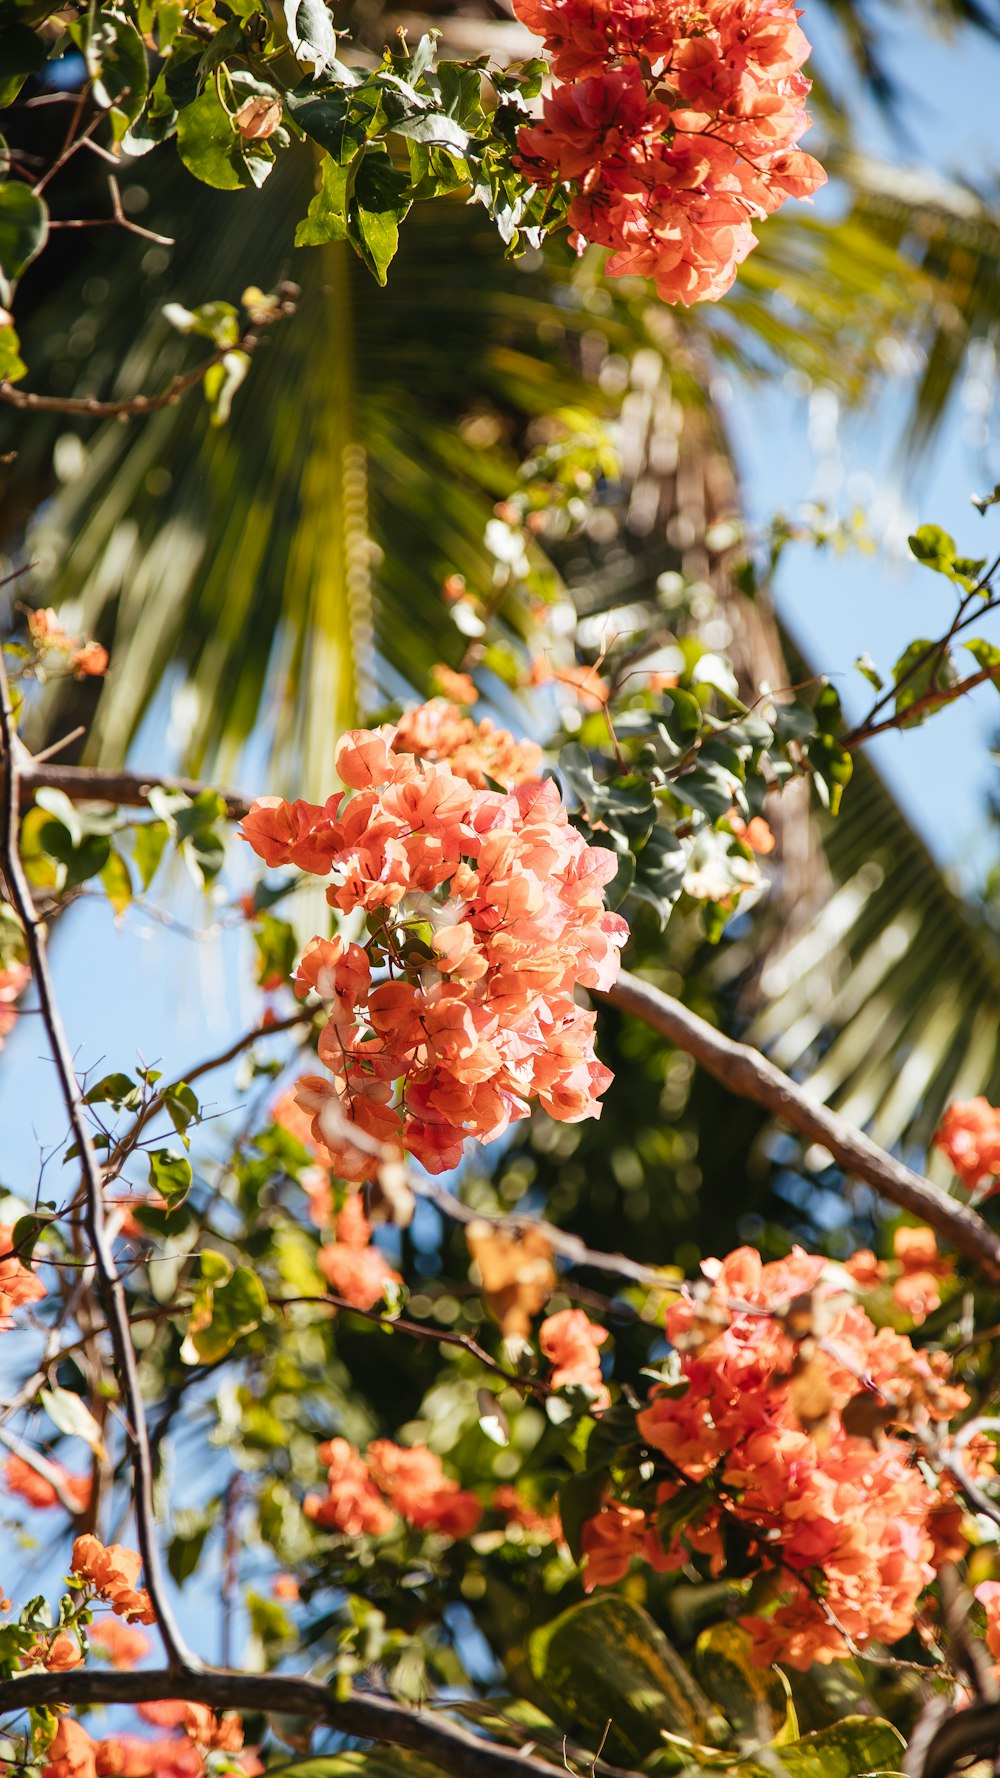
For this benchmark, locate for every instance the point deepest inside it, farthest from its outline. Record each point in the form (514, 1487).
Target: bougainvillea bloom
(414, 1481)
(113, 1572)
(485, 910)
(970, 1136)
(782, 1369)
(20, 1478)
(122, 1644)
(570, 1342)
(18, 1283)
(367, 1493)
(675, 127)
(351, 1265)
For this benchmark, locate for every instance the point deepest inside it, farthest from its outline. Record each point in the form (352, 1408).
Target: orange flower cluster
(37, 1490)
(351, 1265)
(438, 732)
(18, 1283)
(676, 125)
(485, 910)
(570, 1342)
(365, 1494)
(921, 1268)
(112, 1573)
(87, 659)
(970, 1136)
(790, 1390)
(73, 1753)
(122, 1644)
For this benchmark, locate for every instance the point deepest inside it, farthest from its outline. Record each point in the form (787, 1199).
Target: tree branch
(746, 1072)
(109, 1283)
(975, 1732)
(368, 1716)
(130, 790)
(132, 406)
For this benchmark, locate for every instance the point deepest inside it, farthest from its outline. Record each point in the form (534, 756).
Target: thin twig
(416, 1330)
(109, 1283)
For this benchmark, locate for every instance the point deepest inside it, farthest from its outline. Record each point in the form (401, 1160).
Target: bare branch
(109, 1283)
(367, 1715)
(749, 1074)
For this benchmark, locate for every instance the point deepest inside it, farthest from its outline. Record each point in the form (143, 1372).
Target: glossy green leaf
(22, 53)
(747, 1694)
(170, 1175)
(24, 227)
(606, 1660)
(12, 365)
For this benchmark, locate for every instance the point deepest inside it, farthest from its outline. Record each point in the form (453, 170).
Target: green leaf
(72, 1416)
(606, 1660)
(181, 1105)
(276, 948)
(987, 654)
(25, 1235)
(228, 1305)
(22, 53)
(210, 145)
(221, 382)
(24, 227)
(147, 848)
(378, 205)
(191, 1528)
(922, 668)
(580, 1498)
(326, 217)
(117, 882)
(118, 1090)
(744, 1691)
(833, 769)
(311, 33)
(866, 665)
(933, 548)
(12, 365)
(170, 1174)
(116, 62)
(206, 855)
(856, 1745)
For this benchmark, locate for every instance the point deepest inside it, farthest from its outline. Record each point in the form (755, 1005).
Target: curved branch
(749, 1074)
(368, 1716)
(109, 1282)
(975, 1731)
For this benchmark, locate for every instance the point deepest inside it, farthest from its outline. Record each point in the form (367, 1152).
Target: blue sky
(796, 447)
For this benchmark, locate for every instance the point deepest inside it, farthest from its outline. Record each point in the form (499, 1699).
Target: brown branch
(749, 1074)
(109, 1282)
(128, 408)
(369, 1716)
(928, 700)
(28, 401)
(128, 790)
(972, 1732)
